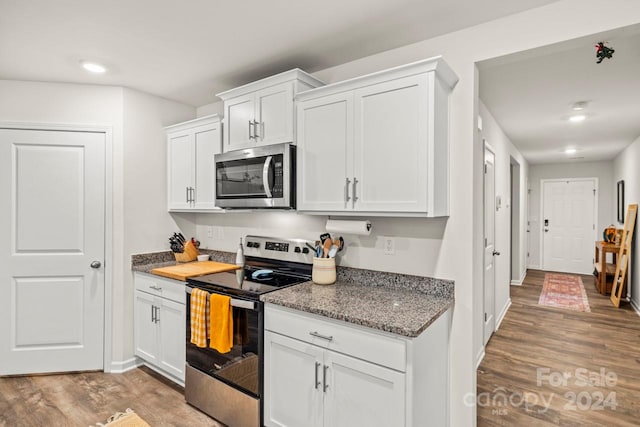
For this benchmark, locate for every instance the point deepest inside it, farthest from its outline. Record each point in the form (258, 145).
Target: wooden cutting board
(193, 269)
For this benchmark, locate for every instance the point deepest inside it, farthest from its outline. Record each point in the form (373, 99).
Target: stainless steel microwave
(261, 177)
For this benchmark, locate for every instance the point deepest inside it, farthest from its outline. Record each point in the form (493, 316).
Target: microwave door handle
(265, 176)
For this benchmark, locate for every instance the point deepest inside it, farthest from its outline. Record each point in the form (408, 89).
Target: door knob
(496, 253)
(546, 230)
(96, 264)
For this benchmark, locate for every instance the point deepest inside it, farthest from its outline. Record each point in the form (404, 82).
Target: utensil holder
(324, 271)
(189, 254)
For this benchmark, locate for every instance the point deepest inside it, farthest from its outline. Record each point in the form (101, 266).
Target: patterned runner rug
(564, 291)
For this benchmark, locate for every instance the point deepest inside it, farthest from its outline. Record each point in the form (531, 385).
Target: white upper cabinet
(191, 166)
(381, 141)
(262, 112)
(325, 127)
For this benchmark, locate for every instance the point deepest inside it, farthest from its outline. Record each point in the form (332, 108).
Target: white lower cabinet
(159, 312)
(325, 373)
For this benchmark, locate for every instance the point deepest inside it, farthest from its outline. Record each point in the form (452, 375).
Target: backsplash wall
(414, 238)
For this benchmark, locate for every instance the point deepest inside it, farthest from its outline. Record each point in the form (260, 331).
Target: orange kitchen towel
(221, 323)
(198, 303)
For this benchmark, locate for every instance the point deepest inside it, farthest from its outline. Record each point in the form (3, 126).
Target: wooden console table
(604, 269)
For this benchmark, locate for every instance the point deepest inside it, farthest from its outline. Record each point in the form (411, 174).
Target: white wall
(140, 221)
(457, 254)
(504, 151)
(146, 222)
(625, 167)
(213, 108)
(606, 198)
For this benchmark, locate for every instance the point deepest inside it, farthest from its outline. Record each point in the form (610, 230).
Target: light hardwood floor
(530, 377)
(84, 399)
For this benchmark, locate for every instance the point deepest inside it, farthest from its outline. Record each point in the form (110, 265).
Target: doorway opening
(516, 270)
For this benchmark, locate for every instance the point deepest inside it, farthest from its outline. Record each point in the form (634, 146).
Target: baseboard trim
(518, 282)
(534, 267)
(479, 358)
(125, 365)
(635, 307)
(503, 313)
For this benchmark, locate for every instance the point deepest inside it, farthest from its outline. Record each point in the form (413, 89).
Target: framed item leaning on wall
(621, 201)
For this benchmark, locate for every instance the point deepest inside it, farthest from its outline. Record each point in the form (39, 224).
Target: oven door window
(241, 179)
(239, 367)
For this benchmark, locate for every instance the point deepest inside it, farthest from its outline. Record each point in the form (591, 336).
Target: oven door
(255, 178)
(241, 367)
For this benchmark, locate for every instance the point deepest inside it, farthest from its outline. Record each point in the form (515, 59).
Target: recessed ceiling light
(570, 151)
(93, 67)
(577, 118)
(579, 106)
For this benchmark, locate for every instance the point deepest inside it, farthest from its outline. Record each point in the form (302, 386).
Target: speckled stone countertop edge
(378, 325)
(148, 261)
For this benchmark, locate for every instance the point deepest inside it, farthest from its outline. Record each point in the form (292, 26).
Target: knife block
(189, 254)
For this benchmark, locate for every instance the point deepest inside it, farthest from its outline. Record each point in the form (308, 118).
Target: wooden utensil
(326, 246)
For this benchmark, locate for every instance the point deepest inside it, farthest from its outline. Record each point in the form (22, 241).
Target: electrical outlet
(389, 245)
(210, 232)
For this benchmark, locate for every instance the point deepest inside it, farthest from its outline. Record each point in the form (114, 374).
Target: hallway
(550, 366)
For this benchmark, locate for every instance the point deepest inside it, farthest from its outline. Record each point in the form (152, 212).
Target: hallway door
(568, 225)
(489, 243)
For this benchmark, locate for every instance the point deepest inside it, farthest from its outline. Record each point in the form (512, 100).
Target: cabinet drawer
(352, 340)
(165, 288)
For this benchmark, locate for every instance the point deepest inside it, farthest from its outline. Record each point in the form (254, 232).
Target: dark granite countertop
(147, 262)
(397, 303)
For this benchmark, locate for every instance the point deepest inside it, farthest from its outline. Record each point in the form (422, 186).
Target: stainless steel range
(229, 386)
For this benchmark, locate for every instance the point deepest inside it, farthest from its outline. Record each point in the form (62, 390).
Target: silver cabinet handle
(250, 132)
(346, 190)
(193, 194)
(187, 188)
(95, 264)
(355, 198)
(317, 383)
(153, 313)
(255, 129)
(157, 314)
(324, 337)
(324, 378)
(155, 287)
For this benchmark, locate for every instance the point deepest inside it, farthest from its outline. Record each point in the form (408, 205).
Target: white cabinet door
(391, 145)
(171, 326)
(146, 332)
(239, 114)
(325, 153)
(362, 394)
(180, 169)
(274, 114)
(206, 140)
(293, 389)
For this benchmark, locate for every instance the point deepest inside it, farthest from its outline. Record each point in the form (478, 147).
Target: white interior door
(52, 222)
(489, 243)
(568, 224)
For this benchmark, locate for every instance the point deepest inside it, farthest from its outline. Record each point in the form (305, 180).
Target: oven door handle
(239, 303)
(265, 176)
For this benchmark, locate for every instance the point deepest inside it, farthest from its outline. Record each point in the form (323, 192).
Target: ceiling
(530, 94)
(190, 50)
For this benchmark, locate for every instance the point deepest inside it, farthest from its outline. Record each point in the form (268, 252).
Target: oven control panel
(277, 246)
(282, 249)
